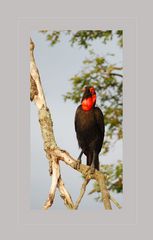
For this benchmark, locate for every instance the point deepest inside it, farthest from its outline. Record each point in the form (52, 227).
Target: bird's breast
(86, 121)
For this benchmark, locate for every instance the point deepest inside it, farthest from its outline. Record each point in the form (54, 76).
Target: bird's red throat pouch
(88, 103)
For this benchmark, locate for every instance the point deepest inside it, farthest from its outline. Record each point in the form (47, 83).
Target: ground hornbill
(89, 127)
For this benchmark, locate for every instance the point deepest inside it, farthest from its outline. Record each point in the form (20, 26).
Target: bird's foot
(77, 164)
(92, 170)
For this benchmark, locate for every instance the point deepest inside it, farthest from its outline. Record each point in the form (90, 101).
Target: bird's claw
(77, 164)
(92, 170)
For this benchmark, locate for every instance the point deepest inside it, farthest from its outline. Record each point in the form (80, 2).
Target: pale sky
(56, 66)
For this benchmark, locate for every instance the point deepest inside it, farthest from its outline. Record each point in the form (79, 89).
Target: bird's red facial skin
(92, 90)
(88, 103)
(94, 98)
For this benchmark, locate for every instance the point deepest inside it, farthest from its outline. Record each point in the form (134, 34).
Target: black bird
(89, 127)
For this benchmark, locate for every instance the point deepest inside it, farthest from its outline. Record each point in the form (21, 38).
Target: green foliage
(114, 175)
(84, 38)
(114, 179)
(53, 38)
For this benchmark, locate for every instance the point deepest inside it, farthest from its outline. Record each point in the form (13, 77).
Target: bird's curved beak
(83, 89)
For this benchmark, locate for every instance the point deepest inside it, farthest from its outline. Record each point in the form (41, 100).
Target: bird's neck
(88, 103)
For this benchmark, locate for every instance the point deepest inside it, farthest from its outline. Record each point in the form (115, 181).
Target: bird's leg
(78, 162)
(92, 167)
(79, 158)
(90, 162)
(93, 163)
(96, 161)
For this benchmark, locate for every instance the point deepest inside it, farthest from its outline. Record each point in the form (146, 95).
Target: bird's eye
(92, 90)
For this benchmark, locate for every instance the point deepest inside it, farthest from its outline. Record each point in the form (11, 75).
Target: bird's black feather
(90, 129)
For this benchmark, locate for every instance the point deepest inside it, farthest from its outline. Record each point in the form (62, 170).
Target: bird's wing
(76, 118)
(100, 120)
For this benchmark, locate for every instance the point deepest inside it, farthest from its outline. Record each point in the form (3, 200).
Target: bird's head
(89, 98)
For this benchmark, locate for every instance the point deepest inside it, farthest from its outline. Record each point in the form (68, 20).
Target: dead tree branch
(82, 192)
(54, 154)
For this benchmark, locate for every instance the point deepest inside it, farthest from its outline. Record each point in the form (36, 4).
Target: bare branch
(33, 88)
(92, 191)
(105, 194)
(55, 177)
(40, 98)
(115, 202)
(82, 191)
(116, 74)
(64, 194)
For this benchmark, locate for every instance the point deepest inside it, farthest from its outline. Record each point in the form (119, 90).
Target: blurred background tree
(108, 82)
